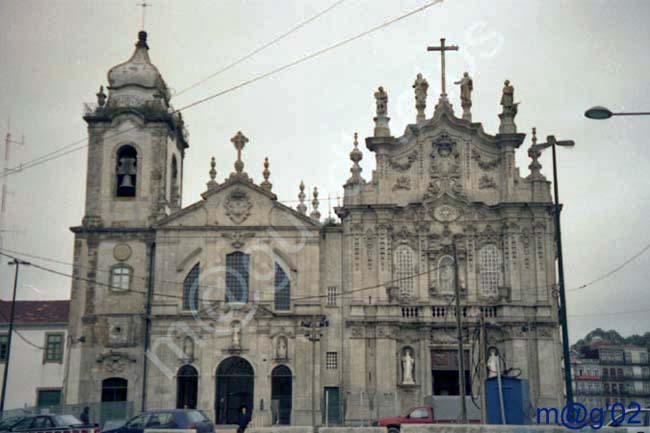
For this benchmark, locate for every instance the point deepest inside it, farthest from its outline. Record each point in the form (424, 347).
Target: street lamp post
(552, 142)
(17, 263)
(313, 331)
(601, 113)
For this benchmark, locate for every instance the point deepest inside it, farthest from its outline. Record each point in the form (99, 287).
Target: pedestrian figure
(242, 419)
(84, 416)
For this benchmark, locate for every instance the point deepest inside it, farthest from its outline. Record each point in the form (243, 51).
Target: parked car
(7, 423)
(417, 415)
(635, 421)
(51, 422)
(167, 419)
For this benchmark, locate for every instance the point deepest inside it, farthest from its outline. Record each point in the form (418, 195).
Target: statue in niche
(408, 368)
(188, 347)
(446, 274)
(236, 336)
(281, 348)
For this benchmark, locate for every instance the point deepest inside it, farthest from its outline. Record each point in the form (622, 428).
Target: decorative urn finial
(355, 157)
(315, 214)
(213, 174)
(266, 173)
(302, 208)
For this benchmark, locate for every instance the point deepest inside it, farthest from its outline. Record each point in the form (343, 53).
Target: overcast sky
(562, 57)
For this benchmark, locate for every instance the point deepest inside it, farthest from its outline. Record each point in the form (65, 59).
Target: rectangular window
(237, 277)
(53, 347)
(331, 296)
(48, 397)
(332, 361)
(120, 278)
(4, 346)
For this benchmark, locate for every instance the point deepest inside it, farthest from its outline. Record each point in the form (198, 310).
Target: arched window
(191, 289)
(187, 386)
(237, 277)
(489, 270)
(282, 289)
(404, 271)
(126, 171)
(446, 274)
(120, 278)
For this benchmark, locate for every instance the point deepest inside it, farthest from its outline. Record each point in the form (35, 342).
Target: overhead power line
(54, 155)
(613, 271)
(259, 49)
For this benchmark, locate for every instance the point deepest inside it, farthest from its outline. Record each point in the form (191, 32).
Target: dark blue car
(167, 419)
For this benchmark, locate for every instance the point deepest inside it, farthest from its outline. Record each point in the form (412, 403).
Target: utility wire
(54, 155)
(259, 49)
(312, 55)
(22, 337)
(613, 271)
(384, 284)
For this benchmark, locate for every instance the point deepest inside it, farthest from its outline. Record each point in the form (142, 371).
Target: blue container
(516, 401)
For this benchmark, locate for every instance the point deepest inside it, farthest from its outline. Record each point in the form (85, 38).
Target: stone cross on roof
(239, 141)
(442, 48)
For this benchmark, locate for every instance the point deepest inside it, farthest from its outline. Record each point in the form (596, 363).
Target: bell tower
(136, 146)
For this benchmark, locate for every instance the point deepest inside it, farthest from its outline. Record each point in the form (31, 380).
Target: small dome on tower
(138, 70)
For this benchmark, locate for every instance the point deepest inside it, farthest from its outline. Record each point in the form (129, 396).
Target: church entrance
(235, 381)
(281, 384)
(187, 382)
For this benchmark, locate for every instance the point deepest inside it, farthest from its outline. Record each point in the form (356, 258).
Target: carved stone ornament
(119, 331)
(115, 362)
(238, 239)
(238, 206)
(486, 182)
(122, 252)
(403, 166)
(356, 332)
(445, 169)
(442, 336)
(487, 164)
(445, 213)
(402, 182)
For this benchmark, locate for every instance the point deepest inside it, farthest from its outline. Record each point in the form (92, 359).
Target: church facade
(238, 299)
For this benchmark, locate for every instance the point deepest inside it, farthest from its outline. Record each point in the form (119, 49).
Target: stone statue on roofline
(509, 111)
(381, 99)
(466, 88)
(421, 86)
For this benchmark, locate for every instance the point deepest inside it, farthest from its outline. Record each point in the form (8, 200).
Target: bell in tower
(126, 172)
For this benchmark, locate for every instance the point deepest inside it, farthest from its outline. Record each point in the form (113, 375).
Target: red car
(417, 415)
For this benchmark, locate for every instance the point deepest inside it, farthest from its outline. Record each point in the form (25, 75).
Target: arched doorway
(281, 390)
(235, 381)
(187, 384)
(114, 397)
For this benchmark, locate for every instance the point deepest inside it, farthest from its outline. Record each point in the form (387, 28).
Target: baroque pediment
(238, 202)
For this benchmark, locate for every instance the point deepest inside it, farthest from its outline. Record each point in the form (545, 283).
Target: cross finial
(442, 48)
(239, 141)
(144, 5)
